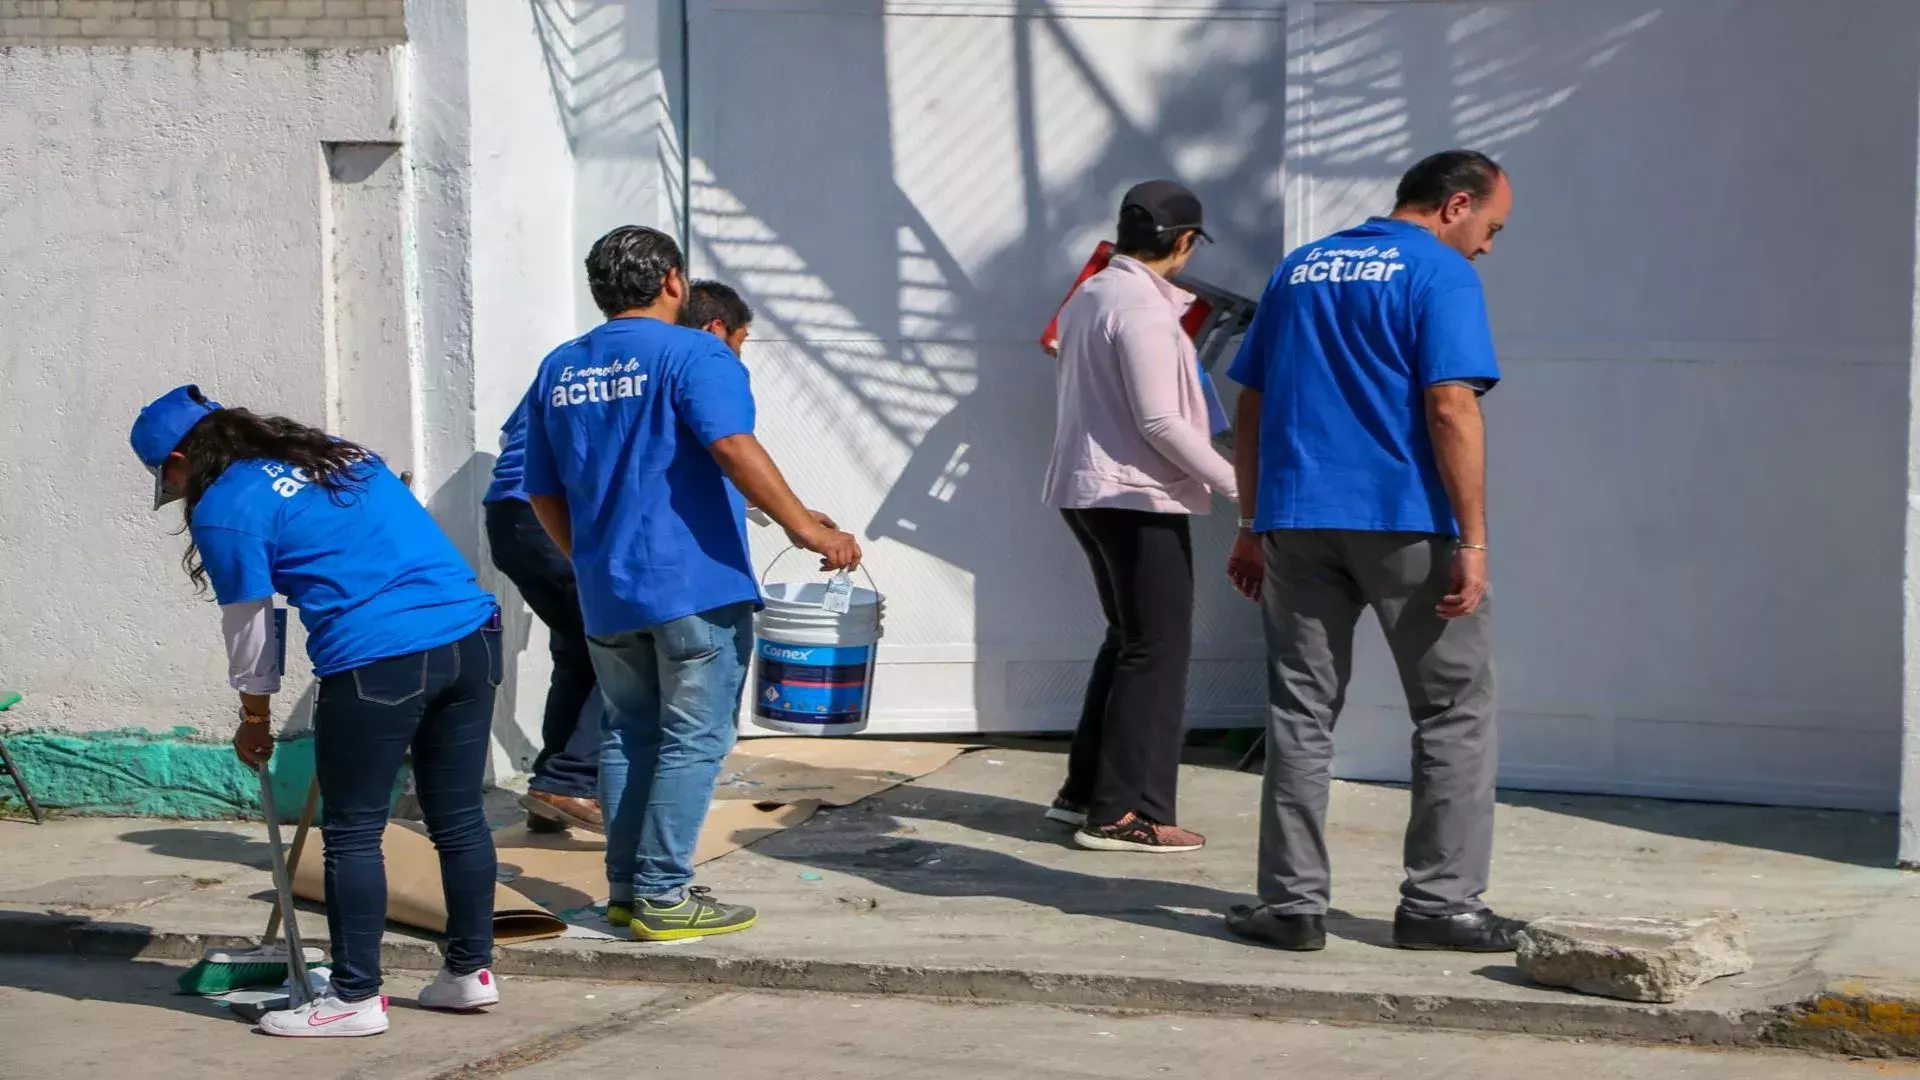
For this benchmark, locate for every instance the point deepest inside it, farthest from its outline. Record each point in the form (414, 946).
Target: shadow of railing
(901, 252)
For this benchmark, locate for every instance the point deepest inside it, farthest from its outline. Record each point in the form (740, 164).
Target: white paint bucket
(813, 668)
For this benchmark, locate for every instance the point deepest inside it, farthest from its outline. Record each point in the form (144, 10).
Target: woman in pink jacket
(1132, 461)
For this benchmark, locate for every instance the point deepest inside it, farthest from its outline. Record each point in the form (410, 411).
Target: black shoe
(1469, 931)
(1294, 933)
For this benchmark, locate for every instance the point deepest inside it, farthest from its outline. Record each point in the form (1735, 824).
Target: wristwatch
(1246, 524)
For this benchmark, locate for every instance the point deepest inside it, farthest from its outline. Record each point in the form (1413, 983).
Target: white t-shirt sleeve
(253, 646)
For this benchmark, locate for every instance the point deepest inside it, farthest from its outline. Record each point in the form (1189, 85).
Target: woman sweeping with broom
(405, 646)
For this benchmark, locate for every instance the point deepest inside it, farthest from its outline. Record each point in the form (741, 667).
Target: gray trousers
(1316, 585)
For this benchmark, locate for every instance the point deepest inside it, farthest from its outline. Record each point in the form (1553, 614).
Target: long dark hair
(229, 436)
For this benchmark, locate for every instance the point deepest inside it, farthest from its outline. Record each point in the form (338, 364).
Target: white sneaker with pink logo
(460, 993)
(329, 1017)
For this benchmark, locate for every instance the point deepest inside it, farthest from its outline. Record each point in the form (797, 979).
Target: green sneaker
(698, 915)
(620, 914)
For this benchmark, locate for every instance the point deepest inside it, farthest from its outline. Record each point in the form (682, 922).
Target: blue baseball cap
(160, 427)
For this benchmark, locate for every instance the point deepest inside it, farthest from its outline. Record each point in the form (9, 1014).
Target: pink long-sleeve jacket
(1131, 414)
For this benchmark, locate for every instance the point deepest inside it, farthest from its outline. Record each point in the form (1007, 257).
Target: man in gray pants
(1361, 458)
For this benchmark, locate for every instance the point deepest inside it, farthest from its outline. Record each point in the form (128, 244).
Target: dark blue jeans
(569, 758)
(438, 704)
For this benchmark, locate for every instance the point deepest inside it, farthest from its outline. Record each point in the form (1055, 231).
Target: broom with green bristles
(225, 970)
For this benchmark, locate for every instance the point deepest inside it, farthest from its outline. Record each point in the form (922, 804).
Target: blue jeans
(672, 696)
(438, 704)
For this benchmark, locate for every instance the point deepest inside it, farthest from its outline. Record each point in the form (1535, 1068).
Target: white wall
(493, 189)
(1909, 856)
(620, 67)
(161, 222)
(524, 275)
(1699, 453)
(904, 201)
(571, 134)
(1703, 304)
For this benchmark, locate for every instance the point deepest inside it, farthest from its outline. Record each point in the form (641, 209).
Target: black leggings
(1126, 751)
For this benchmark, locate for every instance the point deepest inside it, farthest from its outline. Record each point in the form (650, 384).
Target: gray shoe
(697, 914)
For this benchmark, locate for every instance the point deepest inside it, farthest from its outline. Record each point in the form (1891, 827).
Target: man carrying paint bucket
(563, 789)
(633, 433)
(814, 661)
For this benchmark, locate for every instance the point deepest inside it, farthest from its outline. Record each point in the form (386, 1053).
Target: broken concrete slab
(1634, 959)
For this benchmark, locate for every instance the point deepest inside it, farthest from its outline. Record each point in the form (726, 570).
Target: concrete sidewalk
(954, 886)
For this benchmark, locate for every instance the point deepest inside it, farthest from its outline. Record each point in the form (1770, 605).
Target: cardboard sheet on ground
(414, 897)
(765, 786)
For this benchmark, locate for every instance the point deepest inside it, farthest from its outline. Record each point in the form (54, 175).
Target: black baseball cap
(1170, 206)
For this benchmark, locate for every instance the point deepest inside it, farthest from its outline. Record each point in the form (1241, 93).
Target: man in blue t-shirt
(639, 449)
(563, 788)
(1361, 458)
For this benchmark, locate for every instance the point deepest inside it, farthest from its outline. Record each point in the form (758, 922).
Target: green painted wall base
(176, 774)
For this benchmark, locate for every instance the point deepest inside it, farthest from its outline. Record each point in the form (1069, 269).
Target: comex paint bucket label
(811, 684)
(815, 645)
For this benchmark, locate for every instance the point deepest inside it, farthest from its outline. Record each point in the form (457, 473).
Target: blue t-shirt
(512, 460)
(1350, 333)
(619, 422)
(368, 567)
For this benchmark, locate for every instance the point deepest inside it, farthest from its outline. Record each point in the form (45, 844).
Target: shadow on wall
(456, 506)
(616, 74)
(902, 247)
(908, 302)
(904, 197)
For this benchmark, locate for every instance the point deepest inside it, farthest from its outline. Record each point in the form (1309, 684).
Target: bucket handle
(791, 548)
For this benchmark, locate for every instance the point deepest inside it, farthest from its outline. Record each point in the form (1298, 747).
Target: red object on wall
(1195, 317)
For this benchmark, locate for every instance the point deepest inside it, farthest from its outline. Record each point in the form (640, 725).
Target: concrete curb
(1851, 1018)
(1587, 1019)
(1595, 1018)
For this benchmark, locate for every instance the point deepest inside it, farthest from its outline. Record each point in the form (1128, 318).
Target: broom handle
(293, 856)
(297, 980)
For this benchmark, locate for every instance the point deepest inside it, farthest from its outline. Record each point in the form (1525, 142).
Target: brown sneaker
(1136, 833)
(567, 810)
